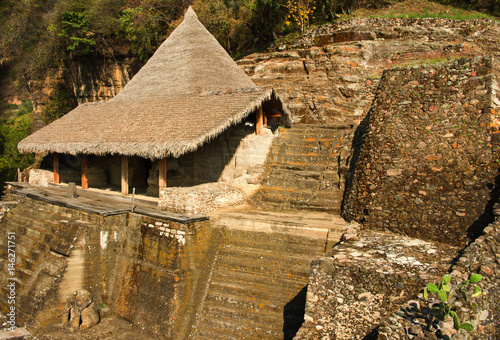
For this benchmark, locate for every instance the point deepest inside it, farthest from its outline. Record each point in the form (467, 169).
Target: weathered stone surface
(200, 199)
(235, 157)
(357, 284)
(140, 272)
(428, 163)
(90, 316)
(482, 253)
(330, 74)
(306, 168)
(41, 177)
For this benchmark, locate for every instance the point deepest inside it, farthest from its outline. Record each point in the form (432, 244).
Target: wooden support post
(55, 164)
(124, 175)
(85, 183)
(259, 120)
(162, 176)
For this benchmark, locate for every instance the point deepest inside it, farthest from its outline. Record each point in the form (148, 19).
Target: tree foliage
(76, 32)
(13, 128)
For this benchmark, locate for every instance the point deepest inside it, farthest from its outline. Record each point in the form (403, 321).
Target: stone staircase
(306, 168)
(40, 254)
(258, 286)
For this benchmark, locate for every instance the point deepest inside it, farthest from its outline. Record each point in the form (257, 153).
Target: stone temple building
(185, 113)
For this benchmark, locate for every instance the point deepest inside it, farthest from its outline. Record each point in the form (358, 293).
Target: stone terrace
(357, 284)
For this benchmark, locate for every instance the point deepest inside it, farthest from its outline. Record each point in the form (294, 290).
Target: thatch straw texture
(189, 92)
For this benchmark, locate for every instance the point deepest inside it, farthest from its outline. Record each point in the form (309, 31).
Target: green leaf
(425, 294)
(446, 279)
(475, 278)
(467, 326)
(456, 321)
(446, 288)
(432, 288)
(442, 295)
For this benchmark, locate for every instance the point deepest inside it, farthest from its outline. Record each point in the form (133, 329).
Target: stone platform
(353, 287)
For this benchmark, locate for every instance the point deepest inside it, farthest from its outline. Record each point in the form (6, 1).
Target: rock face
(329, 76)
(101, 79)
(428, 163)
(481, 257)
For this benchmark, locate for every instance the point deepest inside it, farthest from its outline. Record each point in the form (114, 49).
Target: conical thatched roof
(189, 92)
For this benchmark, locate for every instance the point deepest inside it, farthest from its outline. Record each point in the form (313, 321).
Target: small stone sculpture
(80, 312)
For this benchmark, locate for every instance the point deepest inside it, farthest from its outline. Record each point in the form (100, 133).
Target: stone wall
(428, 164)
(150, 272)
(200, 199)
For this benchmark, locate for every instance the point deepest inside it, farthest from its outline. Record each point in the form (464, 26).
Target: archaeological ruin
(311, 191)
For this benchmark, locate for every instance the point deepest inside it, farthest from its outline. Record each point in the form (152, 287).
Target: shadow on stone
(487, 217)
(293, 314)
(357, 143)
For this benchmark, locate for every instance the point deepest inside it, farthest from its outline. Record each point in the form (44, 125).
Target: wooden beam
(55, 164)
(162, 175)
(259, 121)
(124, 180)
(85, 183)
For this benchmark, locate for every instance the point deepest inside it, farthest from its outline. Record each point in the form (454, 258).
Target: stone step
(315, 130)
(305, 159)
(298, 182)
(318, 198)
(271, 242)
(284, 206)
(235, 278)
(287, 249)
(269, 300)
(331, 165)
(227, 329)
(309, 225)
(254, 268)
(255, 282)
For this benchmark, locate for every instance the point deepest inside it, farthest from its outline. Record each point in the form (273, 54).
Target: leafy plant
(447, 297)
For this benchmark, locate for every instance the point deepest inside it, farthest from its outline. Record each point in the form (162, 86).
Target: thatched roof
(189, 92)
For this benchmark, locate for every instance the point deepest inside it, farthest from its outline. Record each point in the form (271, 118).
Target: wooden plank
(259, 121)
(124, 180)
(55, 164)
(162, 175)
(85, 182)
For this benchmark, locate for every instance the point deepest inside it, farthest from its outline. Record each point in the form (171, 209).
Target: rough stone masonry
(428, 165)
